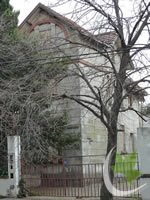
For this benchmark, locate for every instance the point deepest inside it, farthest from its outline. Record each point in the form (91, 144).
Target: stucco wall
(131, 122)
(94, 137)
(5, 185)
(147, 122)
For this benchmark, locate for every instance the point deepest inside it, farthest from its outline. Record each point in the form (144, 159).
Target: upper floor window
(132, 144)
(130, 101)
(49, 33)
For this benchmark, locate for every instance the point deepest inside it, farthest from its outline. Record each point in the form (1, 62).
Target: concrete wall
(93, 131)
(5, 186)
(94, 137)
(131, 121)
(94, 134)
(147, 122)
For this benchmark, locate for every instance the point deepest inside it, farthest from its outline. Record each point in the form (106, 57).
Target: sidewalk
(62, 198)
(52, 198)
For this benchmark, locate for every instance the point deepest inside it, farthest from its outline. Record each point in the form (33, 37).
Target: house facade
(62, 37)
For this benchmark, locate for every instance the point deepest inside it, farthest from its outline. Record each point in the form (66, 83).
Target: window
(132, 147)
(121, 140)
(130, 101)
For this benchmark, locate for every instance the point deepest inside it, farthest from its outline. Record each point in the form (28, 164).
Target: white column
(143, 147)
(14, 163)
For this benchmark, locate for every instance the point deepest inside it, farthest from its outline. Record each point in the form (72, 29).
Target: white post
(14, 163)
(143, 147)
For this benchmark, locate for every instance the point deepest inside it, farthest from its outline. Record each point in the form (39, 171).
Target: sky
(26, 6)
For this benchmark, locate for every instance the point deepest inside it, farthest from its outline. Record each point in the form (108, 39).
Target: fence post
(14, 163)
(64, 177)
(143, 147)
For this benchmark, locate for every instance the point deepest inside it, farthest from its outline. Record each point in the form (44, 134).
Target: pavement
(61, 198)
(52, 198)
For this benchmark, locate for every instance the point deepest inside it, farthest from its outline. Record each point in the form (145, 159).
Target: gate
(63, 180)
(72, 180)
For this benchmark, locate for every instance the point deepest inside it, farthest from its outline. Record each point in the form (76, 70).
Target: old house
(63, 37)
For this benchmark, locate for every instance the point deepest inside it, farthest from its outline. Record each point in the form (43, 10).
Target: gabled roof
(108, 37)
(104, 39)
(57, 16)
(54, 14)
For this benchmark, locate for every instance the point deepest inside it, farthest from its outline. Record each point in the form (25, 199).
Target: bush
(22, 190)
(3, 172)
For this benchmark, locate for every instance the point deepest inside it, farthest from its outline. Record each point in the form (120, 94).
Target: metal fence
(3, 164)
(127, 179)
(72, 180)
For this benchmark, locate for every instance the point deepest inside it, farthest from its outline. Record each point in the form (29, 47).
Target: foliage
(3, 172)
(4, 6)
(9, 18)
(26, 87)
(58, 139)
(52, 140)
(126, 166)
(134, 198)
(22, 190)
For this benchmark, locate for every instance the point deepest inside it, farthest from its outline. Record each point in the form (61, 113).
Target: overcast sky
(26, 6)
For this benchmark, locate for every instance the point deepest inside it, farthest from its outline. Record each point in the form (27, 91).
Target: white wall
(5, 185)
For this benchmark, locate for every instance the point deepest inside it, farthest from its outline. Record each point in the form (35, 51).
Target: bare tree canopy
(114, 47)
(109, 20)
(26, 100)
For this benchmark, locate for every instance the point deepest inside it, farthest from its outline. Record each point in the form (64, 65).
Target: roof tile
(108, 37)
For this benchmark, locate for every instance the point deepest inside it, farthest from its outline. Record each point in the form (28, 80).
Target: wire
(67, 56)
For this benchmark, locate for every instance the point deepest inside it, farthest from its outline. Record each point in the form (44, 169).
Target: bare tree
(110, 81)
(107, 79)
(26, 97)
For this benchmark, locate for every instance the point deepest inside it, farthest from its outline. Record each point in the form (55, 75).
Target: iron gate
(71, 180)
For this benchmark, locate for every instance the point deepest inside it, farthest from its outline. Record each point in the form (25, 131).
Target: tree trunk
(112, 142)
